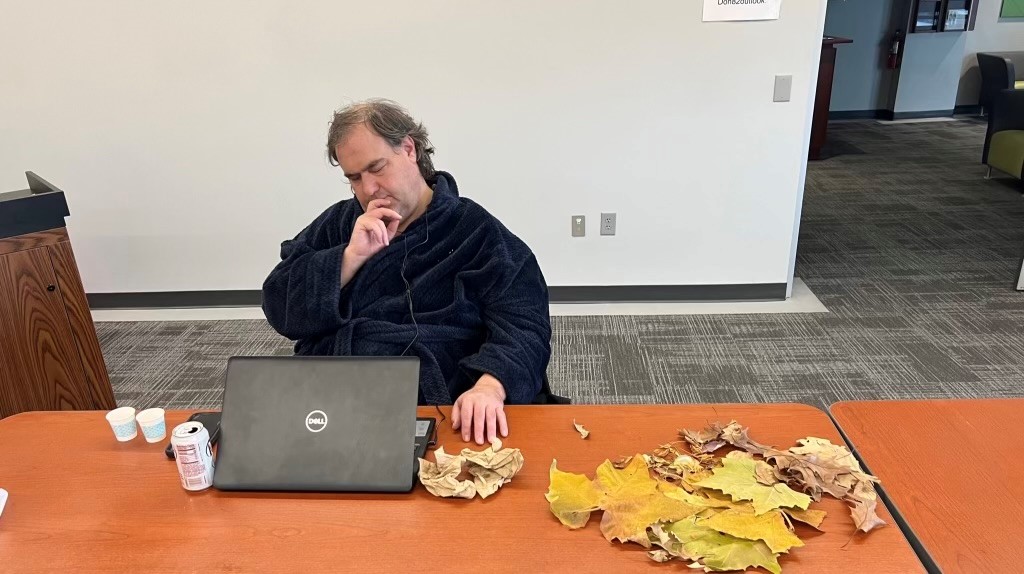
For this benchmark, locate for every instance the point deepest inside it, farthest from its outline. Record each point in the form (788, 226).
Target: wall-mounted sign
(738, 10)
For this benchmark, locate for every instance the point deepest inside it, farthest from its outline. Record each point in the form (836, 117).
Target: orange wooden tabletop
(80, 501)
(953, 469)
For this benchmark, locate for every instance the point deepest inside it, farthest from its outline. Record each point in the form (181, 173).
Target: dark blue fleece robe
(478, 297)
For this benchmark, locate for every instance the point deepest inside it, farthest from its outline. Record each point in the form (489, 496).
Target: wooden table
(81, 502)
(952, 468)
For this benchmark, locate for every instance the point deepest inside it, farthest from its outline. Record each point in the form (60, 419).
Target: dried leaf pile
(718, 513)
(490, 469)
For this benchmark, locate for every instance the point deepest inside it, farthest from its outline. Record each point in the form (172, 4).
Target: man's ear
(409, 148)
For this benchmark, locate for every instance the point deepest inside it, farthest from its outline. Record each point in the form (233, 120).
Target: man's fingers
(393, 227)
(479, 421)
(383, 213)
(502, 421)
(383, 231)
(492, 426)
(378, 203)
(467, 420)
(456, 421)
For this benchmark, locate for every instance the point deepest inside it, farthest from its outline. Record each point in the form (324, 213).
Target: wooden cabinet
(50, 358)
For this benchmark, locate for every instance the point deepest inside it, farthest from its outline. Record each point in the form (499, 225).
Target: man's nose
(370, 185)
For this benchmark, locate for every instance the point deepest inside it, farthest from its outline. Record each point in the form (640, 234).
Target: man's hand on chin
(480, 411)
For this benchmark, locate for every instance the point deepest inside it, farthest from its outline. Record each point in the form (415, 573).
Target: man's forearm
(350, 264)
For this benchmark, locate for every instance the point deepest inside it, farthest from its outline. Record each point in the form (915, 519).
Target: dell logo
(316, 421)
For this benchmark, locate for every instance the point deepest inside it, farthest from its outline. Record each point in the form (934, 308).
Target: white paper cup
(122, 421)
(153, 426)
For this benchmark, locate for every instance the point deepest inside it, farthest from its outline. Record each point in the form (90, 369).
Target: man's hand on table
(480, 411)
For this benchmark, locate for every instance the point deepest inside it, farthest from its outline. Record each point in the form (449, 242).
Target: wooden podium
(50, 358)
(823, 95)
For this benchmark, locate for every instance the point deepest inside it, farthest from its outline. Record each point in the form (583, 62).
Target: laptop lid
(319, 424)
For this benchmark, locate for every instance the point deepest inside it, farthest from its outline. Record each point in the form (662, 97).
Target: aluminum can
(193, 454)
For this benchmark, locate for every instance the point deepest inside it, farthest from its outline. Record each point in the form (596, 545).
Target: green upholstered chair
(1004, 140)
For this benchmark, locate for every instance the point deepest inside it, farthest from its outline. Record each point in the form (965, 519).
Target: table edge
(916, 544)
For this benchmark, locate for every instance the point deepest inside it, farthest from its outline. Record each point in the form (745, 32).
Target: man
(407, 267)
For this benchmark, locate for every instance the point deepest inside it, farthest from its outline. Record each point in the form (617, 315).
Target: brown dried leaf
(816, 466)
(622, 462)
(704, 441)
(584, 433)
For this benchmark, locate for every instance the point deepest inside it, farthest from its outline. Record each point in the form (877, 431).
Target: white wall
(991, 34)
(189, 135)
(860, 81)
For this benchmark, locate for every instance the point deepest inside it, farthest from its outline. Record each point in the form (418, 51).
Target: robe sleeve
(303, 294)
(518, 344)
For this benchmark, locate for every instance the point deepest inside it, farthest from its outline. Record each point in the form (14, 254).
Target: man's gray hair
(388, 120)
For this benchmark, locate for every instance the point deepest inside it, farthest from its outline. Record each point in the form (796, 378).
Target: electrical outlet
(607, 224)
(579, 225)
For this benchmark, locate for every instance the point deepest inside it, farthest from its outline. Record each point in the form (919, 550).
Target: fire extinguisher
(894, 49)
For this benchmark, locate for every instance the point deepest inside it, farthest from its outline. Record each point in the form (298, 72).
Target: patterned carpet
(914, 253)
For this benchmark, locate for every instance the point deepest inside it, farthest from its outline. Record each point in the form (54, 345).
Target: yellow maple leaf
(572, 497)
(769, 527)
(737, 478)
(811, 517)
(632, 501)
(719, 551)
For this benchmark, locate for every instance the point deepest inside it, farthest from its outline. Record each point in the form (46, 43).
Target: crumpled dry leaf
(769, 527)
(705, 441)
(490, 468)
(816, 466)
(691, 539)
(584, 433)
(715, 436)
(660, 555)
(572, 497)
(736, 478)
(443, 479)
(676, 467)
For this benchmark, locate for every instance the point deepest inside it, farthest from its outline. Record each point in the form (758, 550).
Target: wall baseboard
(857, 114)
(920, 115)
(968, 110)
(568, 294)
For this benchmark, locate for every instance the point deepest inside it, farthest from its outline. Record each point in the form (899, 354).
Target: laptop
(330, 424)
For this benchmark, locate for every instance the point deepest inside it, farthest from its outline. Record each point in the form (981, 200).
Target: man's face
(378, 171)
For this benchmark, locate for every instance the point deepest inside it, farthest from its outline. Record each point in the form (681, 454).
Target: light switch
(579, 226)
(783, 88)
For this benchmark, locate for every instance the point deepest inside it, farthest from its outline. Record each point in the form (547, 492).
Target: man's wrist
(349, 265)
(491, 382)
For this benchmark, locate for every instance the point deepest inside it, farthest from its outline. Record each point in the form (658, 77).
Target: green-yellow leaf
(632, 501)
(572, 497)
(719, 551)
(736, 477)
(702, 501)
(769, 527)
